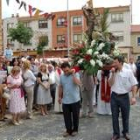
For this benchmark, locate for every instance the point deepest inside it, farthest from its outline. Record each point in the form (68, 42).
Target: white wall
(37, 32)
(5, 31)
(124, 27)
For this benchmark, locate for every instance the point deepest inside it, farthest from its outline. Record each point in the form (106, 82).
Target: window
(119, 37)
(60, 38)
(42, 24)
(77, 37)
(26, 24)
(138, 41)
(138, 58)
(61, 21)
(118, 17)
(10, 25)
(77, 20)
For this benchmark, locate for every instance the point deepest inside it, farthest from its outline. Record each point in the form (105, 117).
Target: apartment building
(7, 24)
(119, 24)
(60, 36)
(40, 26)
(60, 25)
(135, 40)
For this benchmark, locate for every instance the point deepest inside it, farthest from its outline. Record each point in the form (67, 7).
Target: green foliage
(103, 22)
(104, 25)
(43, 41)
(21, 33)
(40, 49)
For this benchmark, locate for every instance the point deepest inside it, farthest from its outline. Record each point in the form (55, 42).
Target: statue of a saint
(91, 20)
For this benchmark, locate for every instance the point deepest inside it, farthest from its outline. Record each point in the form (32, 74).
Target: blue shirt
(8, 53)
(71, 92)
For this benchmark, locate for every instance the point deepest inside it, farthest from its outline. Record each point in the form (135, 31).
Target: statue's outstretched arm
(85, 11)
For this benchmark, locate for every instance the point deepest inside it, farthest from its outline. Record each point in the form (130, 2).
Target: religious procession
(94, 79)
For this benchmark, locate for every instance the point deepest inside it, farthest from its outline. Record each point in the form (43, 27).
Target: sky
(61, 5)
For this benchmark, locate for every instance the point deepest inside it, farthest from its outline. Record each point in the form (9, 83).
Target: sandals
(15, 123)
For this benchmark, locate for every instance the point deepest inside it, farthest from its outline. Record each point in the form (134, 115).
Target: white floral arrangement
(94, 56)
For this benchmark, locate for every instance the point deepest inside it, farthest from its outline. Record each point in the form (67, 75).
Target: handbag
(46, 85)
(6, 95)
(23, 92)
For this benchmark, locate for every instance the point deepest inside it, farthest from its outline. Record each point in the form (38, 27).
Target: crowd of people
(43, 85)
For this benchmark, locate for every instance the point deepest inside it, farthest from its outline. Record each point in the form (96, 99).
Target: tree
(43, 41)
(21, 34)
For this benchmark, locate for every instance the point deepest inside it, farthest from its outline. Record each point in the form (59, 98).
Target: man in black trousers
(122, 81)
(69, 95)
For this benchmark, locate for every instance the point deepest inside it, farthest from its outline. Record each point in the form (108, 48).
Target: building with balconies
(60, 36)
(135, 40)
(119, 21)
(40, 26)
(120, 25)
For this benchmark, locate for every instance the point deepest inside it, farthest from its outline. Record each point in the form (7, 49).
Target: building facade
(7, 24)
(40, 26)
(120, 25)
(66, 30)
(60, 25)
(119, 21)
(135, 40)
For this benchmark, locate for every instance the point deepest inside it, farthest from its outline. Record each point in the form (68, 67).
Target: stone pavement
(51, 127)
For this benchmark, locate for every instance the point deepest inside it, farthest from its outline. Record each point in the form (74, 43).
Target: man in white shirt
(122, 81)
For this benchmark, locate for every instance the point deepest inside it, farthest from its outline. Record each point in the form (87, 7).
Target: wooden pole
(1, 26)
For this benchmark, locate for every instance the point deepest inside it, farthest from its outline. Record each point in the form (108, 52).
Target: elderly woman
(29, 81)
(43, 92)
(17, 103)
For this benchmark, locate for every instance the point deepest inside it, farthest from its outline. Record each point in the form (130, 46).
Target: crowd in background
(34, 83)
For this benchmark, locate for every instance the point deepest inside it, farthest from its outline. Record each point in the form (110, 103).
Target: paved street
(51, 127)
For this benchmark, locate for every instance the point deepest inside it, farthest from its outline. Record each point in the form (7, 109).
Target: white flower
(99, 56)
(92, 62)
(80, 61)
(96, 53)
(93, 42)
(104, 56)
(116, 52)
(89, 52)
(116, 47)
(100, 63)
(100, 46)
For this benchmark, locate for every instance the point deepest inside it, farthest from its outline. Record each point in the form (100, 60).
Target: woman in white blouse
(43, 91)
(29, 81)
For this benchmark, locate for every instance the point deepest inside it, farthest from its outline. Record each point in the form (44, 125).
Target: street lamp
(68, 40)
(131, 12)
